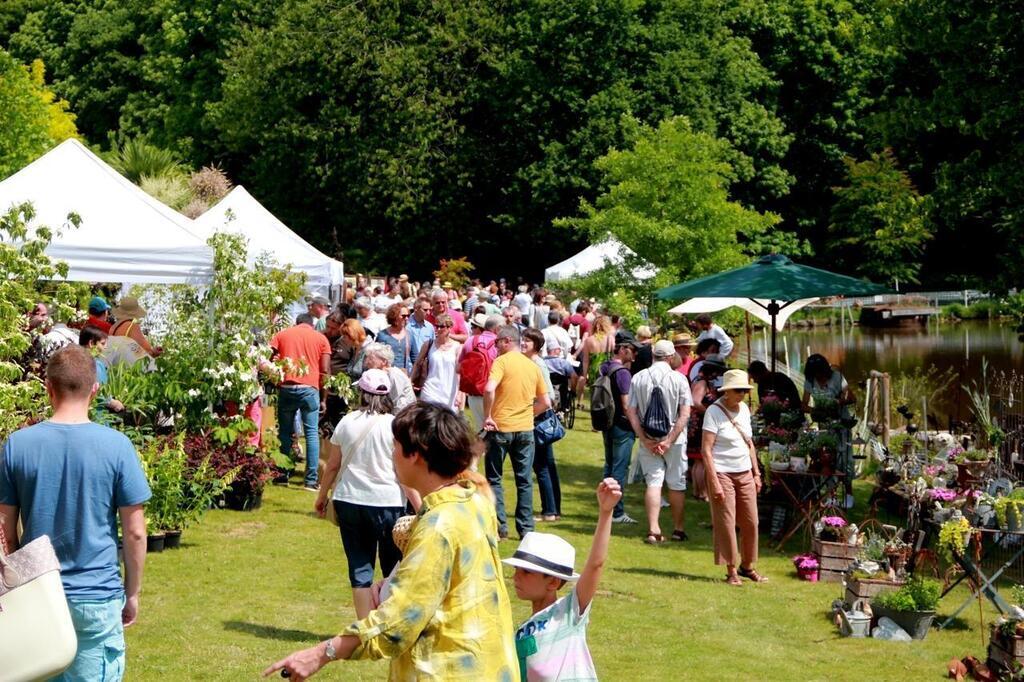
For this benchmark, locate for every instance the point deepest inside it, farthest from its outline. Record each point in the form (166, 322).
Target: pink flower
(834, 521)
(942, 494)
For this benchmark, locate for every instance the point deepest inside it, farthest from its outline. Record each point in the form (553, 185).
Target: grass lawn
(247, 588)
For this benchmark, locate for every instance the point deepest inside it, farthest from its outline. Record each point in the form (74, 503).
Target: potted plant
(832, 529)
(824, 411)
(912, 606)
(942, 499)
(1010, 510)
(249, 469)
(971, 466)
(953, 537)
(807, 567)
(896, 554)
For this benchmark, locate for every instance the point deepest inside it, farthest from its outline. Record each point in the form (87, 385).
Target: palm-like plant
(137, 158)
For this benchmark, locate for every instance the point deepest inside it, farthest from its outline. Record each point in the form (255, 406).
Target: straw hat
(129, 309)
(736, 379)
(683, 339)
(479, 320)
(401, 531)
(545, 553)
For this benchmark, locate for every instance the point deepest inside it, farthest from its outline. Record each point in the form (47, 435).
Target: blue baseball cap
(97, 304)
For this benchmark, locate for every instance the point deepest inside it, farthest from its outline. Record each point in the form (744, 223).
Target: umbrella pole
(773, 310)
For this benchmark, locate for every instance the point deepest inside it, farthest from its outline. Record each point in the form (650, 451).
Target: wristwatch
(330, 651)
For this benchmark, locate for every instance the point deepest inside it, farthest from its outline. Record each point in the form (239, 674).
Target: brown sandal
(654, 539)
(733, 580)
(751, 574)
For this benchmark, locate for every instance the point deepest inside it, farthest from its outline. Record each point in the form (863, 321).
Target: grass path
(247, 588)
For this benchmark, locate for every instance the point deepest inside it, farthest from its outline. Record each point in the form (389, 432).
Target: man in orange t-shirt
(301, 391)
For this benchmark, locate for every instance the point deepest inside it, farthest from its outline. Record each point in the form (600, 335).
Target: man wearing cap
(302, 393)
(552, 643)
(514, 395)
(98, 314)
(619, 439)
(662, 460)
(319, 306)
(710, 330)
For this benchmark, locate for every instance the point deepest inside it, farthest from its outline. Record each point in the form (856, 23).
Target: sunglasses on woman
(444, 326)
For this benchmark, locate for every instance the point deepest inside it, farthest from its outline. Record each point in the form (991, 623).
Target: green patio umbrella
(775, 278)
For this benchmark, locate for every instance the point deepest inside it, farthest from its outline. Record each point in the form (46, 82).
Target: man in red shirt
(301, 392)
(579, 320)
(439, 305)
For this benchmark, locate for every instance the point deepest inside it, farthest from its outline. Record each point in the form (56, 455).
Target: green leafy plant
(953, 537)
(975, 455)
(1010, 504)
(455, 271)
(182, 491)
(1017, 594)
(138, 158)
(873, 548)
(917, 595)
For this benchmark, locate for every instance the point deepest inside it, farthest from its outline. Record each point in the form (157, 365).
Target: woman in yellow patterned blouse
(448, 616)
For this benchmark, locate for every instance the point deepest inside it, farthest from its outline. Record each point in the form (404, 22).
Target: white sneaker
(625, 518)
(665, 504)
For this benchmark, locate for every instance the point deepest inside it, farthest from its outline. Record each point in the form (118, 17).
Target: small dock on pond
(888, 315)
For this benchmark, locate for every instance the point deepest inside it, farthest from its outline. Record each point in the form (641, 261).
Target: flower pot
(172, 539)
(916, 623)
(970, 472)
(155, 542)
(808, 574)
(779, 466)
(243, 501)
(941, 515)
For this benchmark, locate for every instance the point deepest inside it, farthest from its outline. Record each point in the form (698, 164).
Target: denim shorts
(365, 534)
(100, 656)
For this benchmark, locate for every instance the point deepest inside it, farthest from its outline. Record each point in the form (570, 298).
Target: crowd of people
(442, 380)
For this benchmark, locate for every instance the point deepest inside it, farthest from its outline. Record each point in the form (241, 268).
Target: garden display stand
(835, 557)
(809, 493)
(1006, 652)
(860, 591)
(986, 585)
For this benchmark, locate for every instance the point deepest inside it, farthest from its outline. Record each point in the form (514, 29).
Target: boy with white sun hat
(552, 643)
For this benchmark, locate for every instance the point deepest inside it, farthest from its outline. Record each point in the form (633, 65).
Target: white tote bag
(37, 638)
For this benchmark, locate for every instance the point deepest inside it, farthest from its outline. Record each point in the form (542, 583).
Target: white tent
(711, 305)
(595, 257)
(125, 234)
(240, 213)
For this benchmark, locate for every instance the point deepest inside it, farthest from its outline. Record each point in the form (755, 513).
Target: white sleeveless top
(442, 384)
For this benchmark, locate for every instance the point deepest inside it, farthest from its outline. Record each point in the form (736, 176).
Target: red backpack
(475, 368)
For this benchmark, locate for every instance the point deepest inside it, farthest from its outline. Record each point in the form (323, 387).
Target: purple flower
(942, 494)
(834, 521)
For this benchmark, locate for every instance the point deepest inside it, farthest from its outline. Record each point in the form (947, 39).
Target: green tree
(951, 111)
(879, 222)
(33, 119)
(667, 198)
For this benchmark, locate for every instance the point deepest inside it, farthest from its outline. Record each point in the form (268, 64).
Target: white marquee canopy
(125, 235)
(239, 212)
(593, 258)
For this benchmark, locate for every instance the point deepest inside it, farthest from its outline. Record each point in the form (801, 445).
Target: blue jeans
(304, 400)
(518, 445)
(618, 449)
(547, 479)
(100, 656)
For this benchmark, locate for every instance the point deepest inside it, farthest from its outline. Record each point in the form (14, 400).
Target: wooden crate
(835, 558)
(1001, 659)
(860, 591)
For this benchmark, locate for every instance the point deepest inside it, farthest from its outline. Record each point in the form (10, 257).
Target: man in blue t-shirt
(70, 479)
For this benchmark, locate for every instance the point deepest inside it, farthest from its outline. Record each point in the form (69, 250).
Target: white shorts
(669, 469)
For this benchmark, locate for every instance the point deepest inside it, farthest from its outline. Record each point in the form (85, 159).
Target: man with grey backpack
(659, 410)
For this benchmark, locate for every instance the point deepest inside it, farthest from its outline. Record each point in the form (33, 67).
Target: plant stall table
(809, 494)
(986, 584)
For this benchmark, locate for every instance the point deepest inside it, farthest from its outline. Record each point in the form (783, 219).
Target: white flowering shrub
(27, 276)
(217, 339)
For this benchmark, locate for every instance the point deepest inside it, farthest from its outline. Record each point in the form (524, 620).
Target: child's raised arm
(608, 494)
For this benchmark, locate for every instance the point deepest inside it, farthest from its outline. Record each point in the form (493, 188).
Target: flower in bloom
(942, 494)
(834, 521)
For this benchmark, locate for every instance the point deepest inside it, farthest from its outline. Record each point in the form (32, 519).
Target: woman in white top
(442, 384)
(733, 478)
(366, 494)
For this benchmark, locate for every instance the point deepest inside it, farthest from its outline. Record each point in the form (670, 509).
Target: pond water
(960, 347)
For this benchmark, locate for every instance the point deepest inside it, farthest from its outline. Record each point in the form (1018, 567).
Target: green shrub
(916, 595)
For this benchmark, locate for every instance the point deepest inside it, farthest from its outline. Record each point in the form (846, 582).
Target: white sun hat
(545, 553)
(736, 379)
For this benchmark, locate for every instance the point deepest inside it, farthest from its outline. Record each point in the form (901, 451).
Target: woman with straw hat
(734, 479)
(126, 343)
